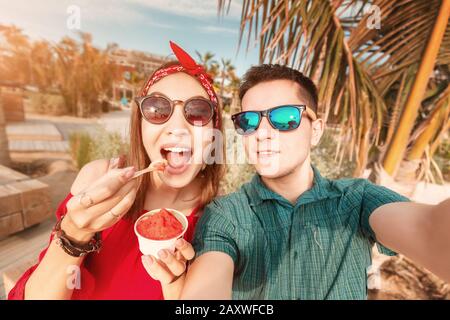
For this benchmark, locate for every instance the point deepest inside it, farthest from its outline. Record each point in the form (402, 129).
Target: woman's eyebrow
(162, 94)
(158, 93)
(199, 96)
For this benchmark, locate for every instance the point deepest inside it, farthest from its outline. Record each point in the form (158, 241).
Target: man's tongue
(178, 159)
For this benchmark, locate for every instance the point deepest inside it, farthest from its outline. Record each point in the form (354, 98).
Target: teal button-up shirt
(319, 248)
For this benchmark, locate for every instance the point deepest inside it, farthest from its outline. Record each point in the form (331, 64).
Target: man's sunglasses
(283, 118)
(158, 109)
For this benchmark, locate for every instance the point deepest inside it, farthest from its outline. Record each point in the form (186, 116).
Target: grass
(85, 148)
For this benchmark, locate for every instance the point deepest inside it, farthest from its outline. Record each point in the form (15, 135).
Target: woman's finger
(101, 189)
(113, 163)
(122, 161)
(156, 270)
(114, 214)
(174, 265)
(185, 248)
(89, 218)
(110, 183)
(179, 256)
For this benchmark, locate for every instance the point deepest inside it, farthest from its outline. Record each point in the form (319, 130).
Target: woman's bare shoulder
(88, 174)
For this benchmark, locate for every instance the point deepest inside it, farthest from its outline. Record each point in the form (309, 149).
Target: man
(291, 233)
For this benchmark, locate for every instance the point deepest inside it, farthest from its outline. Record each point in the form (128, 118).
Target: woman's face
(180, 143)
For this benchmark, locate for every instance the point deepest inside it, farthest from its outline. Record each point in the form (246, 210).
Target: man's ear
(317, 127)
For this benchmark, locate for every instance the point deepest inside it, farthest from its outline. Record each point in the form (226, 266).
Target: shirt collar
(322, 188)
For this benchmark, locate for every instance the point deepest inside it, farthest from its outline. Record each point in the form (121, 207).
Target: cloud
(191, 8)
(216, 29)
(50, 18)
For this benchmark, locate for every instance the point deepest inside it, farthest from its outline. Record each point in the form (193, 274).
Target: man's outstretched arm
(419, 231)
(210, 277)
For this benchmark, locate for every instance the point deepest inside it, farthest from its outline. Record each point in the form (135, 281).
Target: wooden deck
(33, 131)
(22, 247)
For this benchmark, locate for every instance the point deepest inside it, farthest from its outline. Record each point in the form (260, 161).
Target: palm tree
(14, 57)
(83, 74)
(42, 65)
(208, 62)
(226, 73)
(374, 83)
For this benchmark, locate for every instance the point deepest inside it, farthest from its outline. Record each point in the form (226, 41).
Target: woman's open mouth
(178, 158)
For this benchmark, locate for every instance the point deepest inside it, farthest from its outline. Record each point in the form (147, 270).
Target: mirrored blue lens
(246, 122)
(285, 118)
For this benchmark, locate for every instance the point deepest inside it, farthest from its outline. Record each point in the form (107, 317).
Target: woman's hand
(100, 205)
(170, 268)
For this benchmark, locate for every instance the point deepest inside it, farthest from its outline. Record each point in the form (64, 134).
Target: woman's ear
(317, 127)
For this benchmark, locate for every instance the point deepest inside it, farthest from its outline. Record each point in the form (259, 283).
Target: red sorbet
(160, 226)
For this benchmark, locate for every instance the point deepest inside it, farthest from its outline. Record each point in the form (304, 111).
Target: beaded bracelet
(76, 249)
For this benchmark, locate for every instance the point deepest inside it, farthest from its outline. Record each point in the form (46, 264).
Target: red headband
(189, 66)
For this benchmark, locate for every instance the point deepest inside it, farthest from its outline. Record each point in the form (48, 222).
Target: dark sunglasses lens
(285, 118)
(246, 122)
(198, 112)
(156, 109)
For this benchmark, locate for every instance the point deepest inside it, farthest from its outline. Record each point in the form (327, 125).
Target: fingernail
(179, 243)
(147, 259)
(128, 172)
(162, 254)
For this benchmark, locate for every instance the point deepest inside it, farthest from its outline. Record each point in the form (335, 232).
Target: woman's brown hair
(137, 157)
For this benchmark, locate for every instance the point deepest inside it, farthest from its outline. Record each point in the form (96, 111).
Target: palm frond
(357, 68)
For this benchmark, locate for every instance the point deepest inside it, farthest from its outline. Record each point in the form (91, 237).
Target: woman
(177, 110)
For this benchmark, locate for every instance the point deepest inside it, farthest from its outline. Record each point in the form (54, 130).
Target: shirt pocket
(331, 230)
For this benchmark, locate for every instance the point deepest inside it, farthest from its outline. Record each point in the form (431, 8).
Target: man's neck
(293, 184)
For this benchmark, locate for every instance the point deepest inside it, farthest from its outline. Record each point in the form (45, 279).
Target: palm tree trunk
(4, 149)
(424, 139)
(397, 147)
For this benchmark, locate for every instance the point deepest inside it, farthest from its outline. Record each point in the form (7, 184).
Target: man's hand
(419, 231)
(210, 277)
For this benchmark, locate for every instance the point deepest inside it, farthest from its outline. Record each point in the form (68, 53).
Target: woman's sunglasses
(158, 109)
(283, 118)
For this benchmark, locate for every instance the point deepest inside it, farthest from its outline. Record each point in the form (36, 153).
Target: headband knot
(188, 63)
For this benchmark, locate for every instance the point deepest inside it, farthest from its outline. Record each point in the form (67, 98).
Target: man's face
(276, 153)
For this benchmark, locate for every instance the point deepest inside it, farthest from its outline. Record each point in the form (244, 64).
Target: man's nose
(265, 130)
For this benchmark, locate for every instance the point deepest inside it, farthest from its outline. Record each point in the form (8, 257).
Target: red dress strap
(192, 220)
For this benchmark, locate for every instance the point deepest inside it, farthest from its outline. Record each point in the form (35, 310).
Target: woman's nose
(177, 124)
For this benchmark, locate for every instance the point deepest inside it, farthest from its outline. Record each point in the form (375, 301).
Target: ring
(112, 213)
(80, 200)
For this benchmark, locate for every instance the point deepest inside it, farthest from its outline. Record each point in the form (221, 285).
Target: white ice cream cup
(152, 247)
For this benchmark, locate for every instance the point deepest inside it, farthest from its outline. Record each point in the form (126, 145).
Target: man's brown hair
(270, 72)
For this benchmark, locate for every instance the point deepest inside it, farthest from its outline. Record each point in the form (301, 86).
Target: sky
(145, 25)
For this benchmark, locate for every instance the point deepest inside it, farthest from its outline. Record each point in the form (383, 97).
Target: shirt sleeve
(214, 233)
(375, 196)
(18, 291)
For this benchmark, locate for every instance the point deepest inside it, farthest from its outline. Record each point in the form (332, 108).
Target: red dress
(116, 272)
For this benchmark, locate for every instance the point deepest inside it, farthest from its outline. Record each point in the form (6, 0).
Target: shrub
(323, 157)
(80, 145)
(103, 144)
(46, 103)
